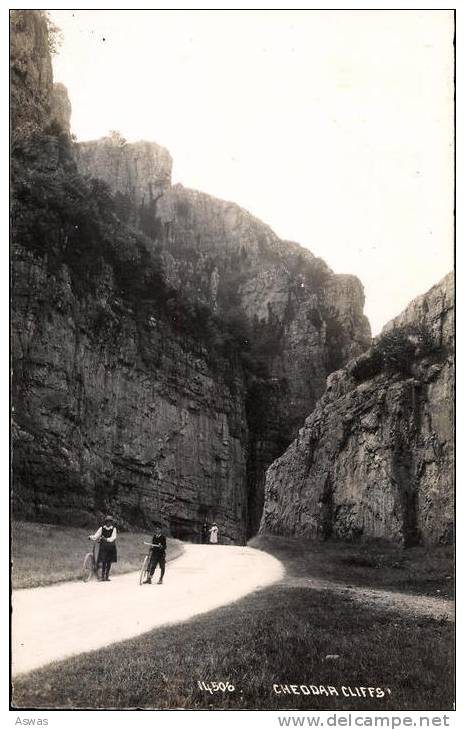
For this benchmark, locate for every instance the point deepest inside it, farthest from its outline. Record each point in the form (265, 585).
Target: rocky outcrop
(140, 171)
(31, 72)
(60, 111)
(375, 457)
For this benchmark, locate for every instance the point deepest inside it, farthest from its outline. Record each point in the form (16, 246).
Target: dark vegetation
(282, 634)
(335, 338)
(312, 273)
(399, 347)
(395, 351)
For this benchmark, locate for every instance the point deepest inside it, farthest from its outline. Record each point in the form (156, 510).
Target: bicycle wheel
(144, 570)
(88, 567)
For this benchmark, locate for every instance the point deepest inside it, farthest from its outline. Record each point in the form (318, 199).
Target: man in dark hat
(157, 555)
(106, 535)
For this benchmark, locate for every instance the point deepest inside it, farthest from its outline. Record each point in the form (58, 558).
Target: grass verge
(375, 564)
(281, 635)
(46, 554)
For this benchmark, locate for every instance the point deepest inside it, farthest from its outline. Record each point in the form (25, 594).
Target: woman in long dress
(106, 535)
(213, 534)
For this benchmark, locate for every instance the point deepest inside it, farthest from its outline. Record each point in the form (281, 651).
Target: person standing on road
(204, 537)
(213, 534)
(106, 535)
(157, 555)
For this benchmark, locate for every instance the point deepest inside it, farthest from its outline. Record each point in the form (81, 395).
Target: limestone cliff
(60, 109)
(115, 410)
(303, 320)
(221, 255)
(139, 171)
(375, 457)
(31, 72)
(166, 345)
(118, 401)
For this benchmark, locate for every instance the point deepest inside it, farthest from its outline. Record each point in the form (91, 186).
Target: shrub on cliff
(117, 138)
(400, 346)
(394, 351)
(312, 273)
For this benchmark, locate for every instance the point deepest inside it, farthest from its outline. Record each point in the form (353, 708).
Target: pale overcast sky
(334, 127)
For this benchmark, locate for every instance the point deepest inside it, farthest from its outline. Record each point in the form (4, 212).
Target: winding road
(59, 621)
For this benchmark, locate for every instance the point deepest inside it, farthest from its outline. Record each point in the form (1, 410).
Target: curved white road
(62, 620)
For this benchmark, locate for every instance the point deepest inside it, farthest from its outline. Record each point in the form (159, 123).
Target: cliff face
(166, 345)
(60, 108)
(139, 171)
(303, 320)
(224, 257)
(115, 411)
(118, 403)
(31, 72)
(375, 457)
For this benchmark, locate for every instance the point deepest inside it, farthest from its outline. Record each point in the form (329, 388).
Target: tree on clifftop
(117, 138)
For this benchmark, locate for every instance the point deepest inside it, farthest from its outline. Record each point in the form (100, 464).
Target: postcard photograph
(232, 360)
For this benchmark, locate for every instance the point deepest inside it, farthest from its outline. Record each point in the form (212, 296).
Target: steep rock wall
(60, 109)
(223, 256)
(31, 72)
(117, 404)
(375, 457)
(304, 320)
(114, 412)
(139, 171)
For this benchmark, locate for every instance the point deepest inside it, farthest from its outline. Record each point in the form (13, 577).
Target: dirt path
(411, 604)
(59, 621)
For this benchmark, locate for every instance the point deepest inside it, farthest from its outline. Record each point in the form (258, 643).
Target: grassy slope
(281, 634)
(44, 554)
(375, 564)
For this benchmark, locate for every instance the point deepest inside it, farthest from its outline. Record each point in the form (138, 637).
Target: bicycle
(90, 565)
(144, 571)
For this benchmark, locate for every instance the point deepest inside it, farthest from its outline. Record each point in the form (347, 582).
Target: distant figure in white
(106, 536)
(213, 534)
